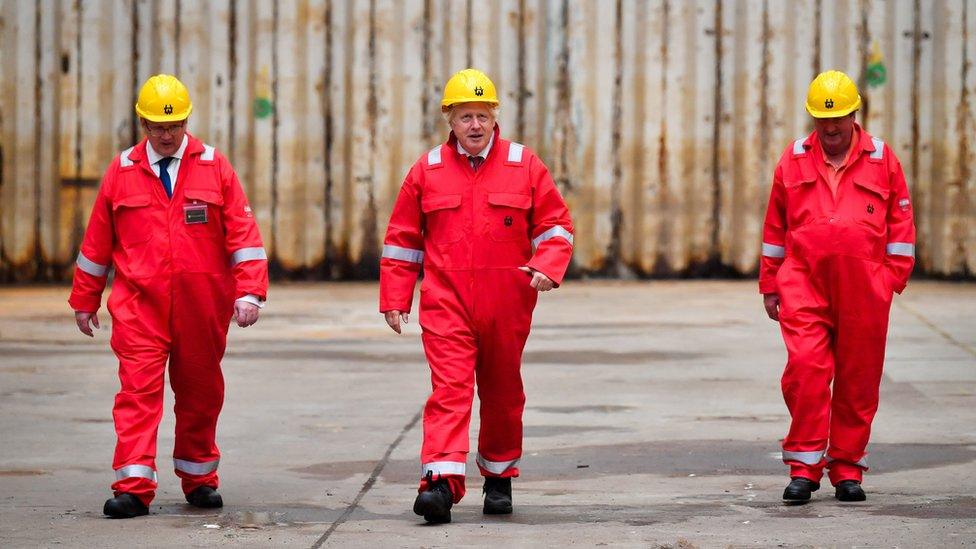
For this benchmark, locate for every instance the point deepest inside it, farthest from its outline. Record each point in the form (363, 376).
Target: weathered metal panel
(661, 121)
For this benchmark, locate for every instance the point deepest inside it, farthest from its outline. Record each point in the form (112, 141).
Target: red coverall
(172, 298)
(471, 230)
(835, 262)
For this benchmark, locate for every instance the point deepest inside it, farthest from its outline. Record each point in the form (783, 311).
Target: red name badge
(195, 213)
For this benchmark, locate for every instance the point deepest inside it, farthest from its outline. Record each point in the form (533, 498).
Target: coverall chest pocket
(871, 203)
(200, 215)
(133, 219)
(442, 218)
(508, 216)
(802, 202)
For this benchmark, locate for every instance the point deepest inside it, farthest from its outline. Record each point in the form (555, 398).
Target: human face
(472, 124)
(165, 137)
(835, 134)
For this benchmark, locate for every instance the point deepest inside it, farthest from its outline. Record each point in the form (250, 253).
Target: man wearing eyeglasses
(173, 220)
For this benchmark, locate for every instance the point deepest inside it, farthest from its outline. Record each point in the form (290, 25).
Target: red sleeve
(774, 235)
(95, 255)
(900, 256)
(242, 238)
(403, 246)
(550, 223)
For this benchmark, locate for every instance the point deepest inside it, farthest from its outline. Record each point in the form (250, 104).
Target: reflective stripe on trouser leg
(808, 458)
(194, 468)
(496, 467)
(135, 471)
(441, 468)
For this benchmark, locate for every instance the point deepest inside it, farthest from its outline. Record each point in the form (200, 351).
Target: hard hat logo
(168, 109)
(832, 94)
(479, 91)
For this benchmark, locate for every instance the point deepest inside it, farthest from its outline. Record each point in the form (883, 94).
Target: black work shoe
(849, 490)
(799, 490)
(435, 503)
(125, 506)
(205, 497)
(498, 496)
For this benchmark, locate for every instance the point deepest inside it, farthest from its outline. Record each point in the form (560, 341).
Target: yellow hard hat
(163, 98)
(469, 86)
(832, 94)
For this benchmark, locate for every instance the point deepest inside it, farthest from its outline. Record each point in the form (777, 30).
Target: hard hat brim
(175, 117)
(445, 106)
(834, 113)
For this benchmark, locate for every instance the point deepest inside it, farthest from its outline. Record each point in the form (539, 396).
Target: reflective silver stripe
(434, 156)
(403, 254)
(900, 248)
(772, 250)
(124, 160)
(554, 232)
(208, 152)
(798, 146)
(194, 468)
(809, 458)
(248, 254)
(878, 153)
(860, 463)
(442, 468)
(496, 467)
(90, 266)
(140, 471)
(515, 152)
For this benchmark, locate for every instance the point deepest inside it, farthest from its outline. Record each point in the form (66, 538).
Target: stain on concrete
(955, 507)
(673, 458)
(542, 431)
(597, 408)
(23, 472)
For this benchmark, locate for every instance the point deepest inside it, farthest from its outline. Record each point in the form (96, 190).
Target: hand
(245, 313)
(82, 319)
(771, 303)
(393, 319)
(539, 281)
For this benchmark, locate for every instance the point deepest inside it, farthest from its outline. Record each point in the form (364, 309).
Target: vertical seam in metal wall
(134, 83)
(817, 27)
(664, 234)
(522, 84)
(232, 81)
(763, 113)
(962, 205)
(467, 34)
(38, 258)
(178, 39)
(427, 126)
(715, 252)
(369, 216)
(329, 250)
(916, 60)
(274, 130)
(79, 221)
(613, 258)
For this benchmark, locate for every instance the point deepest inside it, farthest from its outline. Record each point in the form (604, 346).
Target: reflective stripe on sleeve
(135, 471)
(124, 160)
(208, 152)
(798, 146)
(772, 250)
(248, 254)
(442, 468)
(496, 467)
(900, 248)
(194, 468)
(90, 267)
(554, 232)
(403, 254)
(809, 458)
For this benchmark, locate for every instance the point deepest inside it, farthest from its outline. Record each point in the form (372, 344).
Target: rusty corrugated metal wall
(660, 120)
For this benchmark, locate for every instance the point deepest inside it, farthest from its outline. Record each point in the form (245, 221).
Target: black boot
(205, 497)
(498, 496)
(849, 490)
(436, 501)
(125, 506)
(799, 490)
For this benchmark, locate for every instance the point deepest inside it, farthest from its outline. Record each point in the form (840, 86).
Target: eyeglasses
(159, 131)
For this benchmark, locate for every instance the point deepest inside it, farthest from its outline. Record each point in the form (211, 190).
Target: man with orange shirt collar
(838, 241)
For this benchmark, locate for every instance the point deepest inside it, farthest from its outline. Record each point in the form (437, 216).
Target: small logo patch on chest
(508, 221)
(870, 208)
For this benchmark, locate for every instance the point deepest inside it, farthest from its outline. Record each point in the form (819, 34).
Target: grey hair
(449, 113)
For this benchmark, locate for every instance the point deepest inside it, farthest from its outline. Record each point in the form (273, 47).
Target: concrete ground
(653, 420)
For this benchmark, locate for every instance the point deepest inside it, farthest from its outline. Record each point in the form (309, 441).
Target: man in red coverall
(838, 241)
(172, 218)
(484, 218)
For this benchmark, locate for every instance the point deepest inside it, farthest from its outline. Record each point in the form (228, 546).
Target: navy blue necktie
(164, 175)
